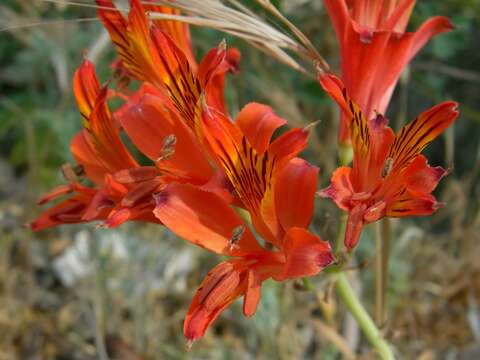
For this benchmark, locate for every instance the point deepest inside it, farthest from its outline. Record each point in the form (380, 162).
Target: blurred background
(78, 292)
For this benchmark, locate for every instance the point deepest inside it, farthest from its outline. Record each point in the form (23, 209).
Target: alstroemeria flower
(162, 121)
(389, 175)
(159, 52)
(122, 189)
(374, 48)
(275, 187)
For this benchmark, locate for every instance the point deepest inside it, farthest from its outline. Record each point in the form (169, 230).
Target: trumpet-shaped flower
(374, 48)
(277, 190)
(389, 175)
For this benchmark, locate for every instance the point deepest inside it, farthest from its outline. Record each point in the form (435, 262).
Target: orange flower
(374, 48)
(276, 188)
(163, 121)
(161, 53)
(102, 156)
(389, 176)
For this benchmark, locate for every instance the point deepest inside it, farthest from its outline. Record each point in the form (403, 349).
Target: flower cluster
(205, 168)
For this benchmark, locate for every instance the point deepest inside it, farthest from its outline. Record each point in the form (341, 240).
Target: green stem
(379, 289)
(371, 332)
(345, 291)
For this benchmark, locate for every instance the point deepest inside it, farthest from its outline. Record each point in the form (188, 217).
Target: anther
(387, 167)
(168, 147)
(222, 46)
(71, 173)
(311, 126)
(237, 234)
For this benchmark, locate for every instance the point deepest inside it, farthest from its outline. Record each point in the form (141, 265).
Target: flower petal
(420, 178)
(132, 40)
(99, 145)
(69, 211)
(339, 15)
(411, 205)
(359, 131)
(182, 85)
(148, 121)
(250, 174)
(55, 193)
(216, 84)
(84, 154)
(354, 226)
(306, 254)
(222, 285)
(433, 26)
(289, 145)
(252, 294)
(86, 88)
(340, 189)
(177, 30)
(258, 122)
(204, 219)
(294, 193)
(416, 135)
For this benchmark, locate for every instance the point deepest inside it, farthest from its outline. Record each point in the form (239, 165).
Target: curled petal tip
(449, 24)
(327, 259)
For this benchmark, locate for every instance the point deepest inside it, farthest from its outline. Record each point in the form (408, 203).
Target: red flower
(275, 187)
(389, 176)
(374, 48)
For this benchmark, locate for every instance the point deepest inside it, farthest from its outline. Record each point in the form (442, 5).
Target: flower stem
(364, 320)
(379, 288)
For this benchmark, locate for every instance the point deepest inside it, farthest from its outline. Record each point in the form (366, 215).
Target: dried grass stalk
(233, 18)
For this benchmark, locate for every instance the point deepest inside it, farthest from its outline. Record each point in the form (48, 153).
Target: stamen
(222, 46)
(203, 102)
(387, 167)
(311, 126)
(237, 234)
(362, 196)
(168, 147)
(71, 173)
